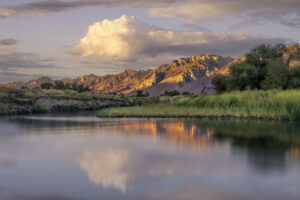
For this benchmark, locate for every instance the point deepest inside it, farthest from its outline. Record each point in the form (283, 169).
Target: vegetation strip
(272, 104)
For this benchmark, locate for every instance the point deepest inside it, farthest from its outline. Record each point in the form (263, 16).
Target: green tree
(139, 93)
(277, 76)
(220, 83)
(294, 78)
(46, 86)
(243, 76)
(172, 93)
(59, 85)
(260, 55)
(74, 86)
(80, 88)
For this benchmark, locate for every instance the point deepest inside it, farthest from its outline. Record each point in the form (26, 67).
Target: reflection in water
(106, 167)
(266, 144)
(149, 159)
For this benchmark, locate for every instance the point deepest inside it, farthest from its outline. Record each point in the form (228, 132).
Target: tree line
(264, 68)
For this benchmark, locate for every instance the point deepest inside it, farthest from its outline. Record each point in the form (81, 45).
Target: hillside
(191, 74)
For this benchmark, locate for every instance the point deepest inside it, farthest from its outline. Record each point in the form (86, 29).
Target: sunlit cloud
(127, 39)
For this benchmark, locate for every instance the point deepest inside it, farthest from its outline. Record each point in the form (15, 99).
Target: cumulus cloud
(8, 42)
(127, 39)
(197, 11)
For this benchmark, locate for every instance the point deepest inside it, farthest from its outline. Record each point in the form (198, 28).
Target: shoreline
(129, 112)
(260, 105)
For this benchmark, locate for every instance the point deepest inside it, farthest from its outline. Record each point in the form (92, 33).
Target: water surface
(59, 157)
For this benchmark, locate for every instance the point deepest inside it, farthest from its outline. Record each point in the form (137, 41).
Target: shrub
(294, 78)
(172, 93)
(259, 56)
(14, 93)
(185, 93)
(243, 76)
(59, 85)
(43, 109)
(220, 83)
(46, 86)
(277, 75)
(139, 93)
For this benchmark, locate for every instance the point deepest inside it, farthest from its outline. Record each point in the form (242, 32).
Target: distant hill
(193, 75)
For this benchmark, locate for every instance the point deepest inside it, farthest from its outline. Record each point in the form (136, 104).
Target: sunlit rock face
(191, 74)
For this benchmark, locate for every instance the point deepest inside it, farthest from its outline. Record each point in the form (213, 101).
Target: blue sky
(68, 38)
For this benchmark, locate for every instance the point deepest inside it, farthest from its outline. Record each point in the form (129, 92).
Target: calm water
(86, 158)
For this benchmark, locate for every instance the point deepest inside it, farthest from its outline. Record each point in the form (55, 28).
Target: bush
(46, 86)
(43, 109)
(220, 83)
(139, 93)
(277, 76)
(243, 76)
(171, 93)
(15, 93)
(260, 55)
(59, 85)
(294, 78)
(185, 93)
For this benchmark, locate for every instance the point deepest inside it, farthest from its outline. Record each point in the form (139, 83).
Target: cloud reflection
(106, 167)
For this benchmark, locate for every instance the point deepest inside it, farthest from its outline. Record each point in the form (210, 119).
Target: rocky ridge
(191, 74)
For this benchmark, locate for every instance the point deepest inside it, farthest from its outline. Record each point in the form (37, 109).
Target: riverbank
(51, 101)
(274, 104)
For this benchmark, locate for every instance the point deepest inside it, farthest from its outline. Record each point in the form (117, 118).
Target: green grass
(43, 109)
(274, 104)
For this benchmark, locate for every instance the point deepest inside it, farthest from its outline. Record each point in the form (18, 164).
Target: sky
(69, 38)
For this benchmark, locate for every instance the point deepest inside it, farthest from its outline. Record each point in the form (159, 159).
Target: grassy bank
(274, 104)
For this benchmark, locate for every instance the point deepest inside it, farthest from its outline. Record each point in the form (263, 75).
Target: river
(82, 157)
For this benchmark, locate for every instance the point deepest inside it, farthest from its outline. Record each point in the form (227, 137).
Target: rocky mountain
(191, 74)
(29, 84)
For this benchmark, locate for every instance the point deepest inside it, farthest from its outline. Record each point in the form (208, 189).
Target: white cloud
(127, 39)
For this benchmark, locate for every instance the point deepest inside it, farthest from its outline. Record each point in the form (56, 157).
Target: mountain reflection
(267, 149)
(150, 158)
(265, 144)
